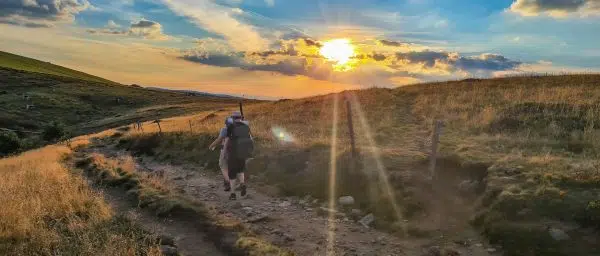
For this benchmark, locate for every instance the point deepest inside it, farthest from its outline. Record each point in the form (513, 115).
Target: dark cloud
(534, 7)
(290, 66)
(391, 43)
(374, 56)
(453, 61)
(144, 24)
(378, 56)
(289, 48)
(39, 13)
(427, 58)
(25, 23)
(310, 42)
(492, 62)
(144, 28)
(218, 59)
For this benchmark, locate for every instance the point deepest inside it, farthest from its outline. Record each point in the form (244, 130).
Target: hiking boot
(243, 190)
(232, 196)
(227, 186)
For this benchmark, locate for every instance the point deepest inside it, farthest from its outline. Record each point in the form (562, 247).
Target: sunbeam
(332, 179)
(382, 171)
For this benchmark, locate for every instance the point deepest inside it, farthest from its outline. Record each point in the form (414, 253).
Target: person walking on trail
(220, 141)
(239, 147)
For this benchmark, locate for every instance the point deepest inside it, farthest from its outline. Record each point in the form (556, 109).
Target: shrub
(53, 131)
(9, 143)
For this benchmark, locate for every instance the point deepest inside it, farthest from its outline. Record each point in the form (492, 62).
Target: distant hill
(9, 60)
(195, 93)
(33, 94)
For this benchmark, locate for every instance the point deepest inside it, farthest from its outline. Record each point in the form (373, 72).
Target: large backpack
(241, 145)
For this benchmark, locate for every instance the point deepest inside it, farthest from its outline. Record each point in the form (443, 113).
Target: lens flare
(332, 180)
(282, 135)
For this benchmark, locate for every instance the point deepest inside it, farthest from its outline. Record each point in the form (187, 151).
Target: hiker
(239, 146)
(222, 155)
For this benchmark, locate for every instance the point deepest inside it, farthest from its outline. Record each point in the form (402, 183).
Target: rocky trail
(175, 236)
(297, 224)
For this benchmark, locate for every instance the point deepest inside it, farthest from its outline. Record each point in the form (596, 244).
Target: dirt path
(188, 240)
(295, 223)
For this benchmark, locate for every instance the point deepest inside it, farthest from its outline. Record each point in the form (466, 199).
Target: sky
(275, 48)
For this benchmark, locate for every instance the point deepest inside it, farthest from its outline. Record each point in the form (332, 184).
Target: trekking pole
(241, 109)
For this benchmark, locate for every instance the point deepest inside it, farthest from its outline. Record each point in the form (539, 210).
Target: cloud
(555, 8)
(112, 24)
(270, 3)
(289, 66)
(451, 62)
(146, 29)
(299, 57)
(220, 19)
(40, 13)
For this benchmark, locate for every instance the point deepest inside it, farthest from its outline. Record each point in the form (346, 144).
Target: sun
(339, 51)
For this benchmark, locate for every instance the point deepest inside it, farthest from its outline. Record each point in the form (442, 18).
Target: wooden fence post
(435, 139)
(350, 127)
(190, 122)
(157, 121)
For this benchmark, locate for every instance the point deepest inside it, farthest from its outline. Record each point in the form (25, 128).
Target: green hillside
(35, 95)
(9, 60)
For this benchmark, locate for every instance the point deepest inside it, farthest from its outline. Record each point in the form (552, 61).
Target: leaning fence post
(190, 122)
(435, 139)
(157, 121)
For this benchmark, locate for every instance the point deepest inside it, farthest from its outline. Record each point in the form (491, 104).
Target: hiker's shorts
(222, 160)
(235, 166)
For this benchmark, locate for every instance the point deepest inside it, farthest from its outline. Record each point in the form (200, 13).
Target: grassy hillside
(84, 106)
(50, 211)
(9, 60)
(518, 157)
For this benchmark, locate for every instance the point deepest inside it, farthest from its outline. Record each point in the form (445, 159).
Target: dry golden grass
(46, 210)
(519, 135)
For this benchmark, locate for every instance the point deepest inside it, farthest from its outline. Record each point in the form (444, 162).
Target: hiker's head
(236, 115)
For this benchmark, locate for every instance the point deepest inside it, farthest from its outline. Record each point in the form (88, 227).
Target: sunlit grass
(48, 210)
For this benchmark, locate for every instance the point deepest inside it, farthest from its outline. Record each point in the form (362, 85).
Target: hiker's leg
(223, 165)
(241, 177)
(232, 175)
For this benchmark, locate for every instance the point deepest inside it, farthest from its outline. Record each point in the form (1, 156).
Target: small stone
(558, 234)
(479, 245)
(178, 178)
(277, 232)
(346, 200)
(236, 205)
(367, 220)
(168, 250)
(433, 251)
(491, 250)
(288, 237)
(257, 218)
(325, 210)
(247, 209)
(285, 204)
(450, 252)
(461, 243)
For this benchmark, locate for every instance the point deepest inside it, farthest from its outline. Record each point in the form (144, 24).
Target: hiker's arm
(215, 143)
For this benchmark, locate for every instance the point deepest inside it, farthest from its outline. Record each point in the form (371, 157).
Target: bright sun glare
(339, 51)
